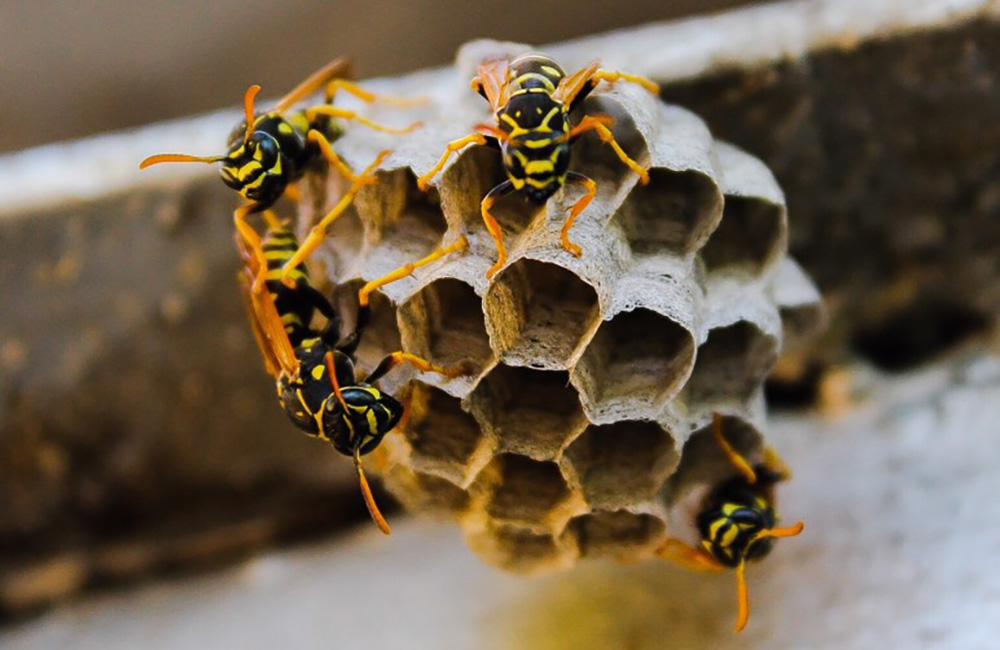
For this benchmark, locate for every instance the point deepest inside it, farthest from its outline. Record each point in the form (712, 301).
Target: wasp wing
(571, 86)
(269, 331)
(494, 82)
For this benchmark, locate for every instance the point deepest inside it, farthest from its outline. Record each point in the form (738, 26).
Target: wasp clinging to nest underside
(270, 151)
(532, 99)
(737, 521)
(314, 369)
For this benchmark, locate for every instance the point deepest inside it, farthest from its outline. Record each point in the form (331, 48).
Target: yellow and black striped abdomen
(295, 309)
(536, 151)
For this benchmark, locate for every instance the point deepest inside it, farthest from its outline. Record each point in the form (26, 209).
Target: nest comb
(596, 377)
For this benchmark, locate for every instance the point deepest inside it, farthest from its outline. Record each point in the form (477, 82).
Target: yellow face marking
(247, 169)
(256, 182)
(372, 421)
(729, 536)
(713, 529)
(729, 508)
(285, 128)
(317, 372)
(258, 154)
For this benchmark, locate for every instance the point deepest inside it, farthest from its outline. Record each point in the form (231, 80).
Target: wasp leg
(596, 123)
(498, 192)
(369, 97)
(578, 207)
(405, 270)
(344, 114)
(453, 146)
(734, 457)
(611, 77)
(318, 232)
(683, 555)
(396, 358)
(339, 67)
(292, 193)
(330, 155)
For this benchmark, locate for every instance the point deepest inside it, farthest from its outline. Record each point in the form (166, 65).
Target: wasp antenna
(178, 157)
(248, 100)
(789, 531)
(366, 492)
(743, 595)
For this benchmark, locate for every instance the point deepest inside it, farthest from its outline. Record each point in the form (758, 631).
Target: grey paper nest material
(597, 376)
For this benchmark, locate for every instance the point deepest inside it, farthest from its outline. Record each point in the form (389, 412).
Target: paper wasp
(738, 521)
(532, 99)
(269, 152)
(314, 369)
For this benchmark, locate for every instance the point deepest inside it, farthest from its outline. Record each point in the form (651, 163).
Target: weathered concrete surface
(900, 532)
(889, 154)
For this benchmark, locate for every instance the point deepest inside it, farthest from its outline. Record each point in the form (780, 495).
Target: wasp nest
(596, 377)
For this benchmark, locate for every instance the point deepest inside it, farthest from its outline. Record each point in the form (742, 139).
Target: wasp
(738, 520)
(270, 151)
(314, 369)
(532, 100)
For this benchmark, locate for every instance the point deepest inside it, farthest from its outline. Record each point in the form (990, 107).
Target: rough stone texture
(891, 146)
(896, 554)
(591, 373)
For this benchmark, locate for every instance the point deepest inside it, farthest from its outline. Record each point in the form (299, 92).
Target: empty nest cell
(635, 363)
(537, 314)
(425, 492)
(671, 215)
(531, 412)
(522, 551)
(731, 364)
(444, 440)
(621, 464)
(594, 158)
(702, 462)
(476, 171)
(749, 238)
(527, 493)
(616, 533)
(382, 334)
(444, 322)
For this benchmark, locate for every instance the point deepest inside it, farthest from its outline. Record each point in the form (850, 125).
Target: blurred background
(126, 467)
(72, 69)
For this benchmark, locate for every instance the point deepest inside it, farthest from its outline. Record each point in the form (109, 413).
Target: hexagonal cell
(671, 215)
(530, 412)
(344, 243)
(597, 160)
(424, 492)
(463, 185)
(731, 364)
(530, 494)
(380, 337)
(404, 225)
(617, 533)
(702, 462)
(750, 237)
(522, 551)
(444, 322)
(537, 314)
(799, 302)
(621, 464)
(444, 440)
(635, 363)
